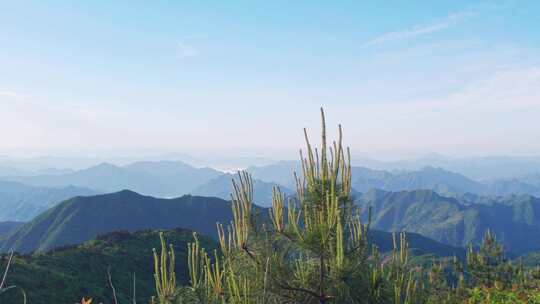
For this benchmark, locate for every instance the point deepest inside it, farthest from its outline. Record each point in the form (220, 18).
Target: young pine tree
(310, 249)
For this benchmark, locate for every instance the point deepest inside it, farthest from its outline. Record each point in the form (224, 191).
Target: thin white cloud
(419, 30)
(500, 91)
(185, 50)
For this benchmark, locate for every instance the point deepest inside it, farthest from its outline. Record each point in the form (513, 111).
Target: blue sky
(243, 77)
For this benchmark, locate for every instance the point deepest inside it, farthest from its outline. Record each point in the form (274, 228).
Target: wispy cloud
(185, 50)
(497, 91)
(419, 30)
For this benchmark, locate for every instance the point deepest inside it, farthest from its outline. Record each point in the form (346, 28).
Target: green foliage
(496, 296)
(487, 278)
(3, 288)
(489, 267)
(67, 274)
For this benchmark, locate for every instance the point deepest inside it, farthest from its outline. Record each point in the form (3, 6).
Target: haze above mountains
(480, 168)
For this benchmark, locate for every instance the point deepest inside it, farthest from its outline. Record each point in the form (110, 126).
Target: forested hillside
(83, 218)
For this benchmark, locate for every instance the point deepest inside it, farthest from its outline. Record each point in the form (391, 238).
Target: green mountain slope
(516, 221)
(6, 228)
(20, 202)
(67, 274)
(83, 218)
(521, 185)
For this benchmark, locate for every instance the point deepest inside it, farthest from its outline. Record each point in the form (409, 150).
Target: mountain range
(82, 218)
(161, 178)
(436, 179)
(174, 178)
(432, 178)
(442, 205)
(477, 168)
(221, 187)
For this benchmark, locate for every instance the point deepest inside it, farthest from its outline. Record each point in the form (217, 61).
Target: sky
(404, 78)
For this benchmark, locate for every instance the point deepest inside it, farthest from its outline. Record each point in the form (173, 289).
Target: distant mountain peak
(105, 165)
